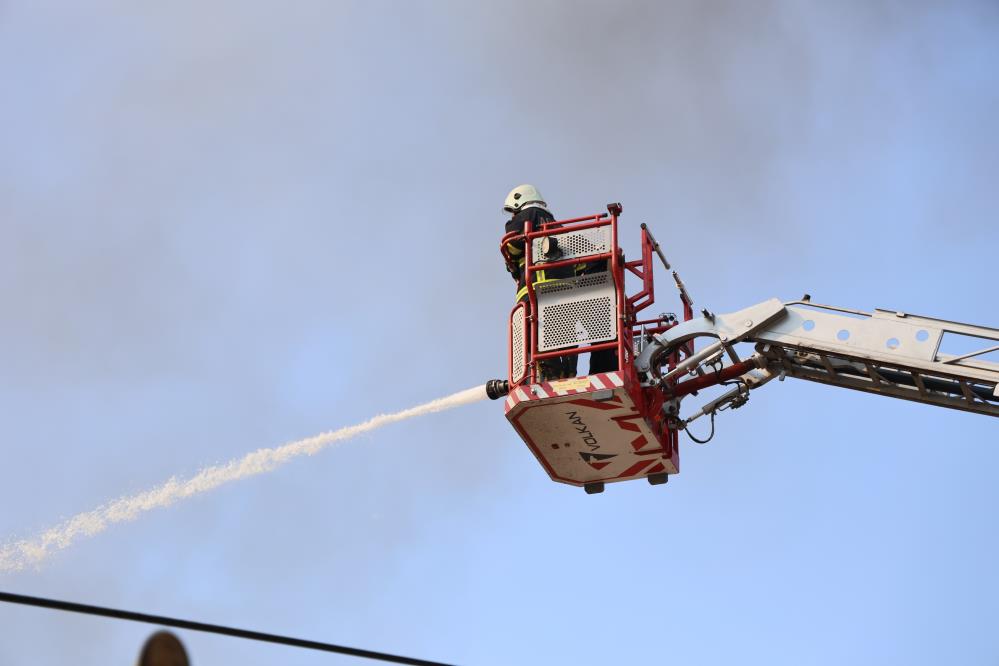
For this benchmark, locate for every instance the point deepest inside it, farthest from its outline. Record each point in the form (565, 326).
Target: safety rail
(518, 346)
(586, 313)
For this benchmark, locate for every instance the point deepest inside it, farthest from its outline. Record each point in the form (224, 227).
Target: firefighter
(526, 206)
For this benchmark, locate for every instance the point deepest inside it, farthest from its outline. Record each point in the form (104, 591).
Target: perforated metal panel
(517, 345)
(576, 311)
(574, 244)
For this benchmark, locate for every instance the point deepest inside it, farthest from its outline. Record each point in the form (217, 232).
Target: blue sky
(224, 227)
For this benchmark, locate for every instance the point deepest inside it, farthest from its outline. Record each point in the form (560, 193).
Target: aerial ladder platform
(624, 424)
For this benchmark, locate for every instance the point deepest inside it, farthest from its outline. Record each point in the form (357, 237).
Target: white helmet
(523, 196)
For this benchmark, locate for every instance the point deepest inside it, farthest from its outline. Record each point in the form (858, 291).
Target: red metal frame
(706, 380)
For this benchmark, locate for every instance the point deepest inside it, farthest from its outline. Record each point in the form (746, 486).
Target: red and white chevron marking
(604, 380)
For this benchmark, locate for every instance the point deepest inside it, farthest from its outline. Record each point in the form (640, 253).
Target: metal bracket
(729, 329)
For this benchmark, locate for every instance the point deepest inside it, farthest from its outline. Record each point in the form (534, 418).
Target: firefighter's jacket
(515, 249)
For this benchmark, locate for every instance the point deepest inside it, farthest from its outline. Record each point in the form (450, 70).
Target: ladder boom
(888, 353)
(885, 352)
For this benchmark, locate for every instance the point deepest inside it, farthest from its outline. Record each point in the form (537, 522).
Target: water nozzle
(497, 388)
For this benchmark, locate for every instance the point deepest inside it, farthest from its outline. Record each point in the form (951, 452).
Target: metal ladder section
(888, 353)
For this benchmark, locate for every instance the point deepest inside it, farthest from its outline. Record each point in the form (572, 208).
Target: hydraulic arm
(885, 352)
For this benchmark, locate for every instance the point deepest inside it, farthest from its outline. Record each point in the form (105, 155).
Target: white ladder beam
(887, 353)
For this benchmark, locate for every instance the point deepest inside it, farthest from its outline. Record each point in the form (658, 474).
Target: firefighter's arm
(514, 258)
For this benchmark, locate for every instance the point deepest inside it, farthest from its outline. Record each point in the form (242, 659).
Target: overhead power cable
(210, 628)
